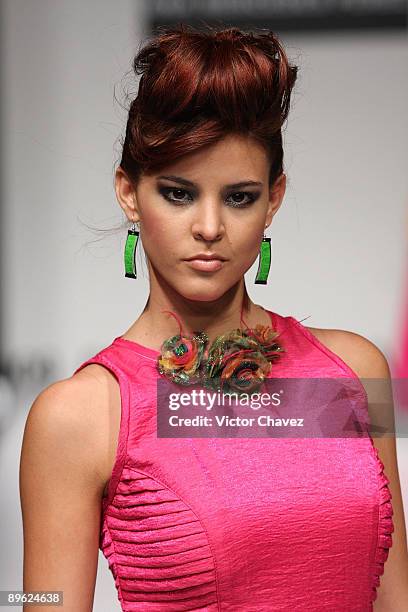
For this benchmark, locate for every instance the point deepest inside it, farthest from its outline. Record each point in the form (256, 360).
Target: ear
(276, 195)
(126, 195)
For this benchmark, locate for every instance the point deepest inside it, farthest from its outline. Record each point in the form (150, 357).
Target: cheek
(161, 238)
(165, 243)
(245, 242)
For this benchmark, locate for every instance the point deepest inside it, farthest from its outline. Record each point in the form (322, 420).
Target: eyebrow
(183, 181)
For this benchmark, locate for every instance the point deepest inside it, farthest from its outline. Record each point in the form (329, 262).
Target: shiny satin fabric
(241, 524)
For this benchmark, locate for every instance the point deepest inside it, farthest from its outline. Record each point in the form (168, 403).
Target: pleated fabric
(242, 524)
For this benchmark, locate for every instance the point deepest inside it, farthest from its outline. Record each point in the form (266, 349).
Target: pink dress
(241, 524)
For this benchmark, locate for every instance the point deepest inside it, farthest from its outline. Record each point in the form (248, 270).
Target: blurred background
(339, 241)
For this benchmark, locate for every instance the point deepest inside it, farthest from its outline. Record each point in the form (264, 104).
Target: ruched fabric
(157, 547)
(385, 526)
(242, 524)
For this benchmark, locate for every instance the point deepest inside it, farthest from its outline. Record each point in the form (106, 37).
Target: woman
(208, 523)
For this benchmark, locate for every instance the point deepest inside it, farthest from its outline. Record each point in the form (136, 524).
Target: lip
(206, 265)
(206, 256)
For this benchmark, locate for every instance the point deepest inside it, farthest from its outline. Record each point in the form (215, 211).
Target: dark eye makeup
(180, 200)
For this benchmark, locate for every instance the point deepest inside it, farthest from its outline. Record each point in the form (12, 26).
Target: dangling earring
(130, 252)
(264, 262)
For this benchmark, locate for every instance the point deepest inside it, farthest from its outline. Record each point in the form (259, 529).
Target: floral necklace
(237, 361)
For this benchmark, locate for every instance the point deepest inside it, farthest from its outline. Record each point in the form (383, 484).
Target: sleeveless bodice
(241, 524)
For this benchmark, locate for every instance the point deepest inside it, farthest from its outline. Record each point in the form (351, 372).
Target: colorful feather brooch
(236, 362)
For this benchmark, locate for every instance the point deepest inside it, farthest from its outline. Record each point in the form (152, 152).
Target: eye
(165, 191)
(242, 203)
(179, 196)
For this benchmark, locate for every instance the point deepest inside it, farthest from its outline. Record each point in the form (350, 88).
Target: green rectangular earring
(130, 252)
(264, 262)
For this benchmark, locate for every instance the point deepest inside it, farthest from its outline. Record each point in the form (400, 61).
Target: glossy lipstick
(206, 261)
(206, 265)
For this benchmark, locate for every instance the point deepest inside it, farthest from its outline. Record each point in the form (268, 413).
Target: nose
(208, 224)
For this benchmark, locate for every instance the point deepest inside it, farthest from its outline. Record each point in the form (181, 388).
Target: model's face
(213, 201)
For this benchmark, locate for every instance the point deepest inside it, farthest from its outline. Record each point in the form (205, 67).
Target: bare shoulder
(77, 415)
(64, 465)
(358, 352)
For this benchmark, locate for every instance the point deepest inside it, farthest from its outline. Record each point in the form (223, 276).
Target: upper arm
(61, 484)
(368, 362)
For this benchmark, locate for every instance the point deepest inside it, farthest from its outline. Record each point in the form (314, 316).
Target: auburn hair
(197, 86)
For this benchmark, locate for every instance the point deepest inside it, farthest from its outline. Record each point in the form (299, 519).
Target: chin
(202, 292)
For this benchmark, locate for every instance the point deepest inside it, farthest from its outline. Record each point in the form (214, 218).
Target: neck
(199, 315)
(213, 316)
